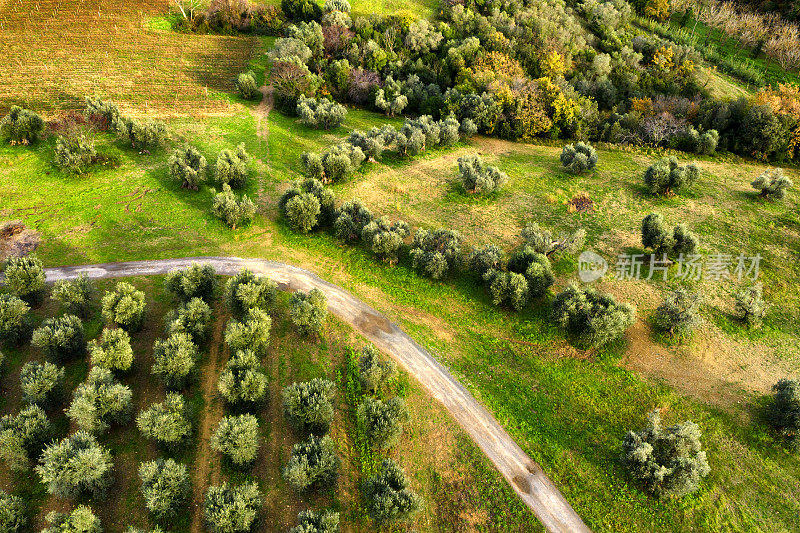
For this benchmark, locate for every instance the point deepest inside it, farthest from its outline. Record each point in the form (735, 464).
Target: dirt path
(524, 475)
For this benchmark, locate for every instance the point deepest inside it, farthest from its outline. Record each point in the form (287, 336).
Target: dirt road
(524, 475)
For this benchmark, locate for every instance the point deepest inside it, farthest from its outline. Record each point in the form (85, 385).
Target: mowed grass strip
(56, 52)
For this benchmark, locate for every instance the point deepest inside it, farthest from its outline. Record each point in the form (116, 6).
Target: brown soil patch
(17, 240)
(581, 204)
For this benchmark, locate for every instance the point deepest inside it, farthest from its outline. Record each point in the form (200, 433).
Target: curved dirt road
(524, 475)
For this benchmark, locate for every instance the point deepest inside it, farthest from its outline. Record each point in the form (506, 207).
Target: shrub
(312, 165)
(193, 317)
(784, 411)
(656, 237)
(231, 167)
(708, 142)
(772, 184)
(247, 86)
(317, 521)
(667, 461)
(100, 401)
(389, 500)
(165, 488)
(75, 296)
(391, 104)
(371, 144)
(243, 381)
(23, 435)
(101, 113)
(341, 160)
(385, 238)
(536, 268)
(80, 520)
(307, 405)
(309, 311)
(231, 210)
(303, 215)
(124, 307)
(507, 288)
(679, 314)
(322, 113)
(750, 304)
(13, 514)
(313, 465)
(252, 333)
(197, 281)
(232, 509)
(76, 466)
(373, 371)
(246, 291)
(487, 257)
(42, 384)
(25, 277)
(60, 338)
(167, 422)
(74, 152)
(301, 10)
(237, 439)
(435, 253)
(591, 317)
(142, 134)
(13, 318)
(21, 126)
(112, 350)
(175, 360)
(666, 176)
(188, 166)
(578, 157)
(382, 421)
(544, 242)
(351, 218)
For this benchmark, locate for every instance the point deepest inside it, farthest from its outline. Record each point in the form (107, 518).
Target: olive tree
(175, 360)
(579, 157)
(340, 161)
(308, 311)
(667, 176)
(13, 318)
(23, 435)
(74, 295)
(112, 350)
(192, 318)
(142, 134)
(750, 304)
(167, 422)
(237, 439)
(435, 253)
(536, 269)
(13, 513)
(317, 521)
(320, 113)
(666, 461)
(313, 464)
(543, 241)
(231, 167)
(60, 338)
(25, 277)
(382, 421)
(351, 219)
(243, 382)
(772, 184)
(76, 466)
(507, 288)
(100, 401)
(593, 318)
(74, 152)
(307, 405)
(389, 500)
(166, 487)
(42, 384)
(124, 306)
(784, 410)
(485, 258)
(478, 177)
(307, 205)
(188, 167)
(302, 212)
(679, 314)
(247, 86)
(79, 520)
(246, 291)
(234, 211)
(252, 332)
(656, 237)
(375, 372)
(232, 508)
(385, 238)
(21, 126)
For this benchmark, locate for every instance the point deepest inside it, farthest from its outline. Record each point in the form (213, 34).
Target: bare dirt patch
(17, 240)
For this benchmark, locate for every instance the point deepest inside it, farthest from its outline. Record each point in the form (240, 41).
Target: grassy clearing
(436, 466)
(57, 52)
